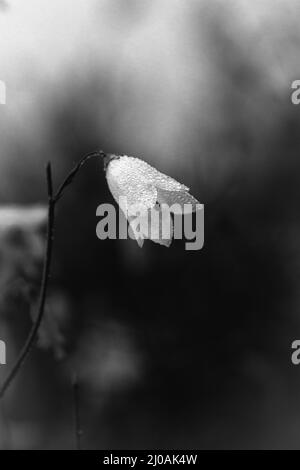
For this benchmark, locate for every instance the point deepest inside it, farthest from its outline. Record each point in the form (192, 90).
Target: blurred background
(172, 348)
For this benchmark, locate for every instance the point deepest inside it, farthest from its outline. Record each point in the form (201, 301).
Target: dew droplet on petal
(182, 201)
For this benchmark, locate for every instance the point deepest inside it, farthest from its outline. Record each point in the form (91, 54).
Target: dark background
(172, 348)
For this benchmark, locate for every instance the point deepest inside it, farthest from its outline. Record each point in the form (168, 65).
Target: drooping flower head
(140, 188)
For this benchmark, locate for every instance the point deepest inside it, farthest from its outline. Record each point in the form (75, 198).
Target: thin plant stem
(52, 200)
(69, 178)
(45, 278)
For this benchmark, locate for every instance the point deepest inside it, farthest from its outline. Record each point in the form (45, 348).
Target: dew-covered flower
(141, 189)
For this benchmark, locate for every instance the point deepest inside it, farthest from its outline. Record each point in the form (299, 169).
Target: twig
(77, 422)
(52, 200)
(46, 272)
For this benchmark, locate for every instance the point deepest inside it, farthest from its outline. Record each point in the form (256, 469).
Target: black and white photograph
(149, 228)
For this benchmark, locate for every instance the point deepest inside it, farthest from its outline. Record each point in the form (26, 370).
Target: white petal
(152, 175)
(167, 183)
(139, 186)
(125, 179)
(182, 201)
(161, 226)
(136, 235)
(156, 225)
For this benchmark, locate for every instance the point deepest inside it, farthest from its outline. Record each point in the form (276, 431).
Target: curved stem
(68, 180)
(52, 200)
(46, 273)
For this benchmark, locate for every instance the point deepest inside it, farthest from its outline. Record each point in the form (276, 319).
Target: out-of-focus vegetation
(172, 348)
